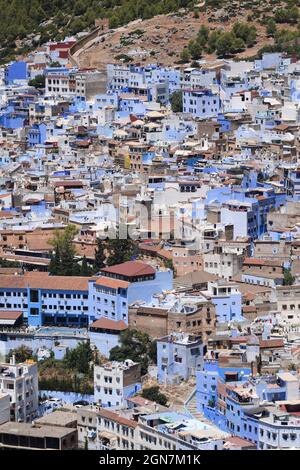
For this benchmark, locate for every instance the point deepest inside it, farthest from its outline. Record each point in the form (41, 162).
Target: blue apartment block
(37, 134)
(16, 71)
(79, 301)
(178, 357)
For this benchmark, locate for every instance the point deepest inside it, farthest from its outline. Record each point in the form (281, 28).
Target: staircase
(191, 409)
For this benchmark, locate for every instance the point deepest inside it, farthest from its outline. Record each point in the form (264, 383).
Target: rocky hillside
(210, 29)
(164, 31)
(25, 24)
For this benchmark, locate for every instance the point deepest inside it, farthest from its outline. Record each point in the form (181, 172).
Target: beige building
(288, 303)
(272, 250)
(223, 262)
(37, 437)
(197, 317)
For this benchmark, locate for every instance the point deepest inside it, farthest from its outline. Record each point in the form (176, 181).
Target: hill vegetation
(273, 25)
(40, 20)
(222, 43)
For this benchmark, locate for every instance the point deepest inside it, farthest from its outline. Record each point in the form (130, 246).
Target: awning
(9, 318)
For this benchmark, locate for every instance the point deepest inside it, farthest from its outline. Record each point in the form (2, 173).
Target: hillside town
(149, 254)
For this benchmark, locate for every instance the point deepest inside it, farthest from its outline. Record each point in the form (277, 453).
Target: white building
(4, 407)
(20, 382)
(197, 78)
(279, 431)
(116, 381)
(201, 103)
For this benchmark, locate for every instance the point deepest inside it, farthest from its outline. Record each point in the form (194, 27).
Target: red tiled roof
(240, 442)
(249, 308)
(140, 401)
(107, 324)
(239, 339)
(44, 281)
(130, 268)
(112, 283)
(7, 215)
(117, 418)
(9, 315)
(67, 183)
(261, 262)
(271, 343)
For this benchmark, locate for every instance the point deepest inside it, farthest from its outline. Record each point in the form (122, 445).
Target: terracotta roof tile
(107, 324)
(130, 268)
(117, 418)
(112, 283)
(9, 315)
(44, 281)
(271, 343)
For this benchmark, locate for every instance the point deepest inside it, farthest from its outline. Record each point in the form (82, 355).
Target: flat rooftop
(58, 418)
(31, 430)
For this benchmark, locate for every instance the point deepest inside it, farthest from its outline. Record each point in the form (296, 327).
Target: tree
(238, 45)
(212, 40)
(114, 22)
(176, 101)
(85, 270)
(170, 265)
(79, 7)
(287, 15)
(195, 50)
(185, 55)
(63, 261)
(202, 36)
(9, 264)
(55, 263)
(38, 82)
(245, 32)
(154, 394)
(99, 255)
(77, 25)
(120, 250)
(22, 354)
(225, 43)
(288, 277)
(79, 358)
(271, 28)
(153, 351)
(134, 345)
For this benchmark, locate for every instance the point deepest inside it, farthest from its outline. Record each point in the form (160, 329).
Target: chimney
(13, 360)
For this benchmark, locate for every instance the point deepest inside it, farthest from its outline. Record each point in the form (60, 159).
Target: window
(34, 311)
(34, 296)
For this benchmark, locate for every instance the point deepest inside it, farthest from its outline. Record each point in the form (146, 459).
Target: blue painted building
(16, 71)
(78, 301)
(37, 134)
(232, 398)
(227, 300)
(178, 357)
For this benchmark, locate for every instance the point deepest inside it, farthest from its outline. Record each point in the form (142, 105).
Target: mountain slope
(29, 23)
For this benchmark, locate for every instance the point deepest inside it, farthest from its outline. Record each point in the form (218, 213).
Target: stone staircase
(191, 409)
